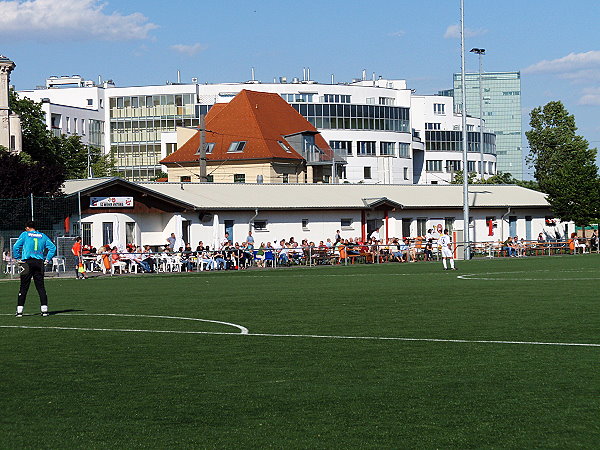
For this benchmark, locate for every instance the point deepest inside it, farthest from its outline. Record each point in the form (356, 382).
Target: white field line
(243, 330)
(482, 276)
(306, 336)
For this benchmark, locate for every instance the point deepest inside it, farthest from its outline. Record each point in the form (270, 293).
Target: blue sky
(553, 42)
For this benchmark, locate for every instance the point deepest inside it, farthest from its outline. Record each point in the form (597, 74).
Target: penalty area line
(316, 336)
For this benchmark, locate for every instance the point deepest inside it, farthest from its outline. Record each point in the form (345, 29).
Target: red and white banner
(111, 202)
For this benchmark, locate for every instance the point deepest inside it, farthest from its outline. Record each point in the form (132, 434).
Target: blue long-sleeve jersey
(33, 244)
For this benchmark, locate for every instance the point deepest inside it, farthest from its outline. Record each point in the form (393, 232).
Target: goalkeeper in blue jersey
(33, 249)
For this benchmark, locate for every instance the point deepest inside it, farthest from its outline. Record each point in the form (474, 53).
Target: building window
(403, 150)
(470, 127)
(170, 148)
(421, 226)
(86, 233)
(345, 147)
(433, 165)
(346, 224)
(90, 102)
(239, 178)
(68, 120)
(208, 147)
(387, 149)
(283, 146)
(305, 224)
(107, 233)
(367, 173)
(387, 101)
(298, 98)
(185, 179)
(406, 173)
(365, 148)
(130, 233)
(335, 98)
(236, 147)
(471, 166)
(285, 178)
(433, 126)
(453, 165)
(260, 225)
(439, 108)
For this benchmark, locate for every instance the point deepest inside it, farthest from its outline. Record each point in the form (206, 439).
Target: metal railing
(232, 258)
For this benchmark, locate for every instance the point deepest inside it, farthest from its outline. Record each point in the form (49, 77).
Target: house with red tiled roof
(256, 137)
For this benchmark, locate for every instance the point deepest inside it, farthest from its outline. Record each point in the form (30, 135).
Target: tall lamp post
(467, 248)
(480, 52)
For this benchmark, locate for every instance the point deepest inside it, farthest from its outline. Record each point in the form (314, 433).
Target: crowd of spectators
(228, 255)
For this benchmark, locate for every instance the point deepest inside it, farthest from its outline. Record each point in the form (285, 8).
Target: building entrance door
(372, 225)
(229, 229)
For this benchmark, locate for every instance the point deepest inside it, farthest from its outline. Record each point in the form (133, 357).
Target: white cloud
(60, 19)
(453, 31)
(189, 50)
(590, 97)
(581, 76)
(398, 33)
(569, 63)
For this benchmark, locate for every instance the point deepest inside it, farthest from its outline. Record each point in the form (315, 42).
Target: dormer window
(236, 147)
(209, 146)
(282, 145)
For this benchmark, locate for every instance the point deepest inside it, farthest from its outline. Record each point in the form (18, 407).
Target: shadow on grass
(53, 313)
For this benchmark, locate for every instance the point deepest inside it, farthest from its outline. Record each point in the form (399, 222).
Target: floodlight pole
(480, 52)
(467, 249)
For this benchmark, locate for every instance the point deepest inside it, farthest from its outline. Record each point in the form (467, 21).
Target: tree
(564, 164)
(73, 155)
(458, 178)
(21, 177)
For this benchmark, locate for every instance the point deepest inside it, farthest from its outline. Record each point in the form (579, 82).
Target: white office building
(379, 125)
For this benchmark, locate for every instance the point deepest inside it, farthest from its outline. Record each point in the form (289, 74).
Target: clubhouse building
(145, 213)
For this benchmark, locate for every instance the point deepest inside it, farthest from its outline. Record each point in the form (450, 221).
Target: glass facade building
(355, 117)
(501, 112)
(136, 124)
(451, 141)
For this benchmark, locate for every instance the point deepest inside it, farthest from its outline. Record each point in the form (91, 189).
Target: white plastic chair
(174, 264)
(57, 263)
(121, 265)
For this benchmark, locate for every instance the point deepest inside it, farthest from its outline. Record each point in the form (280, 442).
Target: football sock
(445, 263)
(44, 308)
(452, 264)
(20, 309)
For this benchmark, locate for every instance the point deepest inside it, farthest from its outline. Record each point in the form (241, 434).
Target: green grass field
(301, 378)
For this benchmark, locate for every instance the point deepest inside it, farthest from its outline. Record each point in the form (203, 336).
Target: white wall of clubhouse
(153, 229)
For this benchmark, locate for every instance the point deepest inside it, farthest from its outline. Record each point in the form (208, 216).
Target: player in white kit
(445, 243)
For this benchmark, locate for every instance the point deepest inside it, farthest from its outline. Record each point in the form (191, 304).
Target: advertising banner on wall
(111, 202)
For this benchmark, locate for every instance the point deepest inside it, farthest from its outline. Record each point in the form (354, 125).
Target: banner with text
(111, 202)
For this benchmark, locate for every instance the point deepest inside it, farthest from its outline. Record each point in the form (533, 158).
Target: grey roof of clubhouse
(326, 196)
